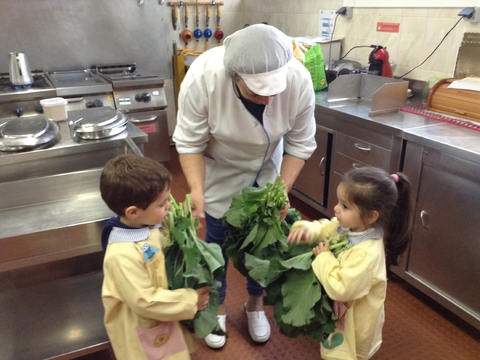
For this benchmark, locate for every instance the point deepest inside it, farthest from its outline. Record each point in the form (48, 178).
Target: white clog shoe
(217, 341)
(258, 325)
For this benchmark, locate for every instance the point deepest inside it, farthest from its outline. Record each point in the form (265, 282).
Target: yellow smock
(136, 299)
(358, 277)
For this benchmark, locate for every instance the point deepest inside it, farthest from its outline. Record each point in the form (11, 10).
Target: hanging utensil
(197, 17)
(218, 15)
(186, 13)
(207, 19)
(174, 15)
(219, 33)
(197, 33)
(207, 32)
(186, 34)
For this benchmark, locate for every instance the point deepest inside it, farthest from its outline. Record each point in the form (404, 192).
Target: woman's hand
(321, 247)
(197, 203)
(299, 236)
(283, 212)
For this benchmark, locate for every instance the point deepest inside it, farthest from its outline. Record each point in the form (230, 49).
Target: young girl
(374, 208)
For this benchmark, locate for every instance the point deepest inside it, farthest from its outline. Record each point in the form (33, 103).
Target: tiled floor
(416, 327)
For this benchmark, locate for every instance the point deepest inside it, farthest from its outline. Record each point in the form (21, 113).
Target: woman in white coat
(245, 115)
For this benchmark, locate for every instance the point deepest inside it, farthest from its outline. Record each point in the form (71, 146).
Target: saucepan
(96, 123)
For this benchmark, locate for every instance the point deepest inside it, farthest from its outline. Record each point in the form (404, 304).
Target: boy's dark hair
(132, 180)
(373, 189)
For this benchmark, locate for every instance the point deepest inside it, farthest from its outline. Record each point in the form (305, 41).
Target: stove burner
(21, 87)
(39, 83)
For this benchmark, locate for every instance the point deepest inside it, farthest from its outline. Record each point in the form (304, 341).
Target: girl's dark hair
(132, 180)
(373, 189)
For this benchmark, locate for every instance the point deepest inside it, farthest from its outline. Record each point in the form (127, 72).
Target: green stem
(337, 245)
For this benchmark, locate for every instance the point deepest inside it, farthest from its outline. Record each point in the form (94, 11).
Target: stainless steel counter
(442, 161)
(51, 206)
(438, 135)
(52, 216)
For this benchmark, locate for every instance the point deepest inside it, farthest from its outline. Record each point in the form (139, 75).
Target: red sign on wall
(388, 27)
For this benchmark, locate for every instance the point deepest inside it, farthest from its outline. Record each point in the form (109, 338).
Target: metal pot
(96, 123)
(22, 134)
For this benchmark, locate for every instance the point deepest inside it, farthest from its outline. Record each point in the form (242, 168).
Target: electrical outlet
(345, 11)
(475, 17)
(349, 12)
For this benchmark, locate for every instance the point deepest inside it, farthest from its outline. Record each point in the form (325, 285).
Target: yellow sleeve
(320, 230)
(128, 280)
(346, 278)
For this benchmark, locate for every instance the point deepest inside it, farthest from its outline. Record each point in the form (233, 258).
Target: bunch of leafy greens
(256, 244)
(193, 263)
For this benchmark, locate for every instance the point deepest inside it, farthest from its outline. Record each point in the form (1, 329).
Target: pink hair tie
(394, 177)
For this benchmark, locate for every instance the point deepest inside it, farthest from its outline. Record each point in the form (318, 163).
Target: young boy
(141, 314)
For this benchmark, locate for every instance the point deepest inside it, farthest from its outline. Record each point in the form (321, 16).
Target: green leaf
(301, 291)
(206, 320)
(263, 271)
(213, 257)
(334, 341)
(300, 262)
(251, 237)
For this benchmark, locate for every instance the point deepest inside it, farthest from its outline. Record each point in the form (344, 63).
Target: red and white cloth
(340, 309)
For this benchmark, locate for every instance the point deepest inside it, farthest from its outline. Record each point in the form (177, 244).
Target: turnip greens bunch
(193, 263)
(256, 244)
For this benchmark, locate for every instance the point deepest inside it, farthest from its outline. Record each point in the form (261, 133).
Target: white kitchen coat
(238, 150)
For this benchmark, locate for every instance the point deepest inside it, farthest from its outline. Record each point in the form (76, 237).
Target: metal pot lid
(27, 133)
(21, 127)
(95, 119)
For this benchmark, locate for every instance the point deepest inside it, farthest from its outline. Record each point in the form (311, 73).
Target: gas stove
(40, 89)
(140, 96)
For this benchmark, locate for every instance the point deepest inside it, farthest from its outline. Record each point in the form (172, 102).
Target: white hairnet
(259, 54)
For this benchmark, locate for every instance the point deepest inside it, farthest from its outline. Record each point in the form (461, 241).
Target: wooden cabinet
(444, 255)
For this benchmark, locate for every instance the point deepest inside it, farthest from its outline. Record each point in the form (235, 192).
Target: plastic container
(55, 108)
